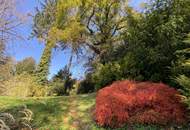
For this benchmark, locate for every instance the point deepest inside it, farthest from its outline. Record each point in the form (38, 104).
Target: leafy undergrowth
(61, 113)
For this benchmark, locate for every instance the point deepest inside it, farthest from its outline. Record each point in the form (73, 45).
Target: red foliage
(132, 102)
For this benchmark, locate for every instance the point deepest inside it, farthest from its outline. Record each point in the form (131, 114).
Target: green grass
(54, 112)
(60, 113)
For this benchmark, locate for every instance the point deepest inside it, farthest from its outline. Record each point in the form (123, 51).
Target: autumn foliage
(144, 102)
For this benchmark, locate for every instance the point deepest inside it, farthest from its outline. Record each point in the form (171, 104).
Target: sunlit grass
(51, 112)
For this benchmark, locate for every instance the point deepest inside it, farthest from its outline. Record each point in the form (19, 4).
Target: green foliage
(43, 20)
(27, 65)
(58, 88)
(74, 90)
(151, 41)
(43, 67)
(106, 74)
(87, 85)
(154, 39)
(18, 79)
(23, 85)
(181, 69)
(134, 64)
(62, 82)
(184, 81)
(79, 23)
(80, 14)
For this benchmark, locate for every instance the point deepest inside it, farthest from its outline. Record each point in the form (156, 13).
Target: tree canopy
(124, 43)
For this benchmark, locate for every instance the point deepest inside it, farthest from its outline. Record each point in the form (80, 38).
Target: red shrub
(131, 102)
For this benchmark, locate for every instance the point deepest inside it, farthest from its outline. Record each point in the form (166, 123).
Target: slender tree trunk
(70, 62)
(68, 76)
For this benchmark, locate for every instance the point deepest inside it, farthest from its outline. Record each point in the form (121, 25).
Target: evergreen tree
(182, 69)
(152, 39)
(63, 82)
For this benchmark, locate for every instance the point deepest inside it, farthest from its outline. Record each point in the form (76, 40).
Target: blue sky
(21, 49)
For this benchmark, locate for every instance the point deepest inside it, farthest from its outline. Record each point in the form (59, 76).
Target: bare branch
(9, 21)
(89, 20)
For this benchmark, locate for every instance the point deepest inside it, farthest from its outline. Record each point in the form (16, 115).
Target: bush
(58, 88)
(86, 85)
(23, 85)
(106, 74)
(62, 83)
(27, 65)
(144, 102)
(62, 87)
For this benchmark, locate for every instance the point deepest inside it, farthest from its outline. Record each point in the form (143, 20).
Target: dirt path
(71, 117)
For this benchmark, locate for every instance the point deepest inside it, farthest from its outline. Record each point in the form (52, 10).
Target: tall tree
(99, 24)
(114, 32)
(43, 21)
(151, 40)
(81, 24)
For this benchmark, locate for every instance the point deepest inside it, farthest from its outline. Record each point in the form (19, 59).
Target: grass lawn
(59, 113)
(55, 113)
